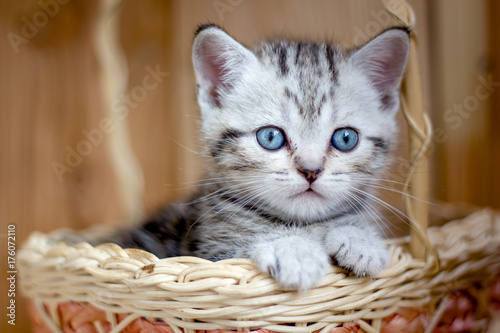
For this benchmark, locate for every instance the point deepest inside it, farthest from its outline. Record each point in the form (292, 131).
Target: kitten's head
(298, 128)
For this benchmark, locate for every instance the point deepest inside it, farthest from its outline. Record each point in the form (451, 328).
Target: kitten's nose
(310, 175)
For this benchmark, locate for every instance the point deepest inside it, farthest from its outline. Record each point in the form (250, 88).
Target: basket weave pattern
(192, 294)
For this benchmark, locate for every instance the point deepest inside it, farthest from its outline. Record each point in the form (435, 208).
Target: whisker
(222, 189)
(391, 189)
(398, 213)
(206, 212)
(248, 199)
(377, 217)
(245, 189)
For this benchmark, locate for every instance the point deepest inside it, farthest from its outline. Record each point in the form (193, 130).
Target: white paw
(357, 250)
(293, 261)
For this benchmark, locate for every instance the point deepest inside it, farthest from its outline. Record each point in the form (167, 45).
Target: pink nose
(310, 175)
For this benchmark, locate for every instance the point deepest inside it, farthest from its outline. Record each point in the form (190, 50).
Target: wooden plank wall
(494, 111)
(461, 102)
(53, 94)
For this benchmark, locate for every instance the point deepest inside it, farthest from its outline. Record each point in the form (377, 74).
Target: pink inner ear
(214, 68)
(214, 74)
(386, 66)
(383, 59)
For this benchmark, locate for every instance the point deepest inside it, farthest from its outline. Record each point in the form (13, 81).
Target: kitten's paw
(293, 261)
(352, 249)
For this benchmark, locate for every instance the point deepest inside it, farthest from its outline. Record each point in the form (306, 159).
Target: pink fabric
(406, 321)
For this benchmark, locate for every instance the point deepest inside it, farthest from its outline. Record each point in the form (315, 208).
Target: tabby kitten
(296, 135)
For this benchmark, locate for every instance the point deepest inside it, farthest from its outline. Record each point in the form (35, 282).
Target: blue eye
(345, 139)
(271, 138)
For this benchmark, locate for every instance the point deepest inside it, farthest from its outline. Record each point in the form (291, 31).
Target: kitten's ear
(219, 61)
(383, 59)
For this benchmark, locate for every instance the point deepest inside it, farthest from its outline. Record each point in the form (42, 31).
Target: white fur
(357, 249)
(295, 261)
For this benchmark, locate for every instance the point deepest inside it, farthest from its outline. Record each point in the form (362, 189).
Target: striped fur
(257, 203)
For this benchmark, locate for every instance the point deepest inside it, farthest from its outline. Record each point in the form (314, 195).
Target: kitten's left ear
(383, 60)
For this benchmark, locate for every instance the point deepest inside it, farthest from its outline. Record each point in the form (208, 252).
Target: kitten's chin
(308, 206)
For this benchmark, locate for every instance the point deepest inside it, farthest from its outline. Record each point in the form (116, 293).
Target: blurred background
(98, 117)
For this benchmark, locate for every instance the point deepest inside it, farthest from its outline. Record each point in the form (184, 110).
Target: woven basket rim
(194, 293)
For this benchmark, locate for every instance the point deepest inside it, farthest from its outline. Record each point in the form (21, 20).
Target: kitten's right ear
(383, 60)
(219, 61)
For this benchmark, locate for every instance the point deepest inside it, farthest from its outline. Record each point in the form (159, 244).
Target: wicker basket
(116, 289)
(438, 279)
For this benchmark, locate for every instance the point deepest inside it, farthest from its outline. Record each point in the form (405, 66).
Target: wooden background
(89, 136)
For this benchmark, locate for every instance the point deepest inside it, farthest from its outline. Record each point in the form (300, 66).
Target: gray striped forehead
(308, 71)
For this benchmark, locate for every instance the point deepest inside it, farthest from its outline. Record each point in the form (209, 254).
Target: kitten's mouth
(309, 194)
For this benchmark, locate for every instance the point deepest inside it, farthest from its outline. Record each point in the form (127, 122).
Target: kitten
(297, 135)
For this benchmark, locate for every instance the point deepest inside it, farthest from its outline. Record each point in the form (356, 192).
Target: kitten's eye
(345, 139)
(271, 138)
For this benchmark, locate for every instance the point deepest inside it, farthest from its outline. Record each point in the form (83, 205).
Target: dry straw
(191, 294)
